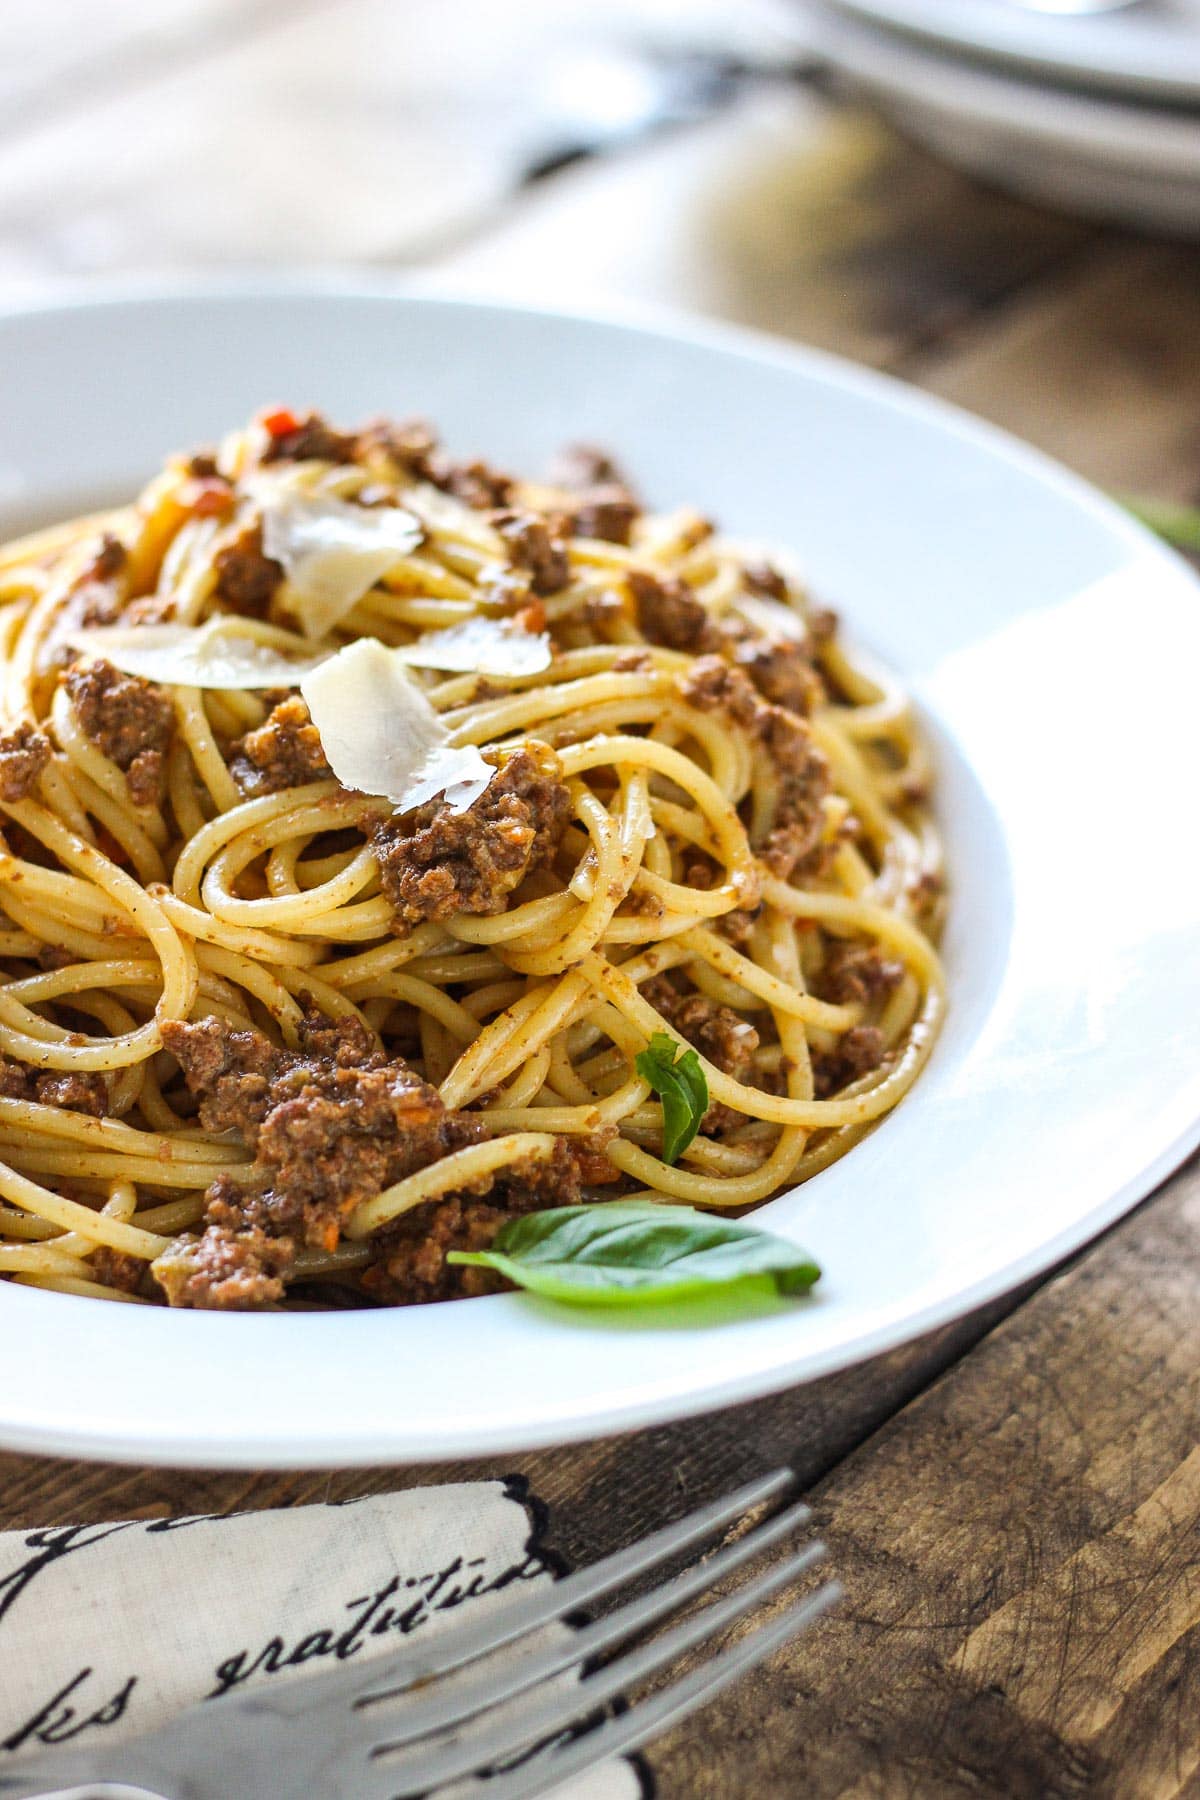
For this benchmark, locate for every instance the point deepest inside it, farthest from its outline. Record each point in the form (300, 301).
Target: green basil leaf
(1177, 524)
(681, 1084)
(627, 1252)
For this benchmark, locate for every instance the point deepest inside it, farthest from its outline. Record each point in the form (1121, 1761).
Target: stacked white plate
(1093, 105)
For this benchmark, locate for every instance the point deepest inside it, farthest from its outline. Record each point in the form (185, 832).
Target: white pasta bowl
(1053, 648)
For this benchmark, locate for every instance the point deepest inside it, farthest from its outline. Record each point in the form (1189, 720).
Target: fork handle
(92, 1789)
(107, 1774)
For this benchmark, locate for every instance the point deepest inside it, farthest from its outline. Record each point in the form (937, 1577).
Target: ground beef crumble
(87, 1093)
(225, 1269)
(605, 512)
(285, 751)
(702, 873)
(534, 545)
(712, 685)
(475, 483)
(927, 894)
(128, 719)
(802, 772)
(24, 753)
(856, 973)
(793, 847)
(579, 467)
(738, 926)
(329, 1125)
(246, 579)
(397, 447)
(436, 864)
(410, 450)
(724, 1039)
(668, 613)
(856, 1053)
(53, 956)
(116, 1269)
(96, 597)
(312, 439)
(87, 604)
(110, 558)
(412, 1264)
(411, 1254)
(718, 1033)
(782, 671)
(765, 579)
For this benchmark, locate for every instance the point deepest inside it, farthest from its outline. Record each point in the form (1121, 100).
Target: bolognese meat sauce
(330, 1126)
(436, 864)
(321, 1124)
(129, 720)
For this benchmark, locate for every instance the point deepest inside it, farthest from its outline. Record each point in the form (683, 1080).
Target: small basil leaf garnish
(680, 1082)
(627, 1252)
(1178, 525)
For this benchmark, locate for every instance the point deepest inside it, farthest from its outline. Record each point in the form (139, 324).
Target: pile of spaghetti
(367, 815)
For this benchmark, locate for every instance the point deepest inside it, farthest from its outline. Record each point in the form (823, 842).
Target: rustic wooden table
(1012, 1502)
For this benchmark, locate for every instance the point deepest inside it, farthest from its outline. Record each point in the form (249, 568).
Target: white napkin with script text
(107, 1630)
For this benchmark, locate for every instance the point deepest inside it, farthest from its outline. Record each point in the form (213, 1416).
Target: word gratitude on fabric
(107, 1630)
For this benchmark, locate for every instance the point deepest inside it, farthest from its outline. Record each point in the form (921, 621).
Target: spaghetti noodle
(268, 1040)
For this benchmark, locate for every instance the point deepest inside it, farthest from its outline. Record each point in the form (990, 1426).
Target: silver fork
(334, 1736)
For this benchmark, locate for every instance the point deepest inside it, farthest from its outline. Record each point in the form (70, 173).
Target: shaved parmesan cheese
(481, 646)
(380, 734)
(459, 775)
(772, 617)
(216, 655)
(453, 518)
(333, 553)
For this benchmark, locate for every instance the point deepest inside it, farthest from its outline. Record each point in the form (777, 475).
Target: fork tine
(489, 1686)
(421, 1659)
(497, 1739)
(631, 1730)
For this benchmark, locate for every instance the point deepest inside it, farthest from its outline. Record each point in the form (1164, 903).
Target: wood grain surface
(1021, 1554)
(1012, 1502)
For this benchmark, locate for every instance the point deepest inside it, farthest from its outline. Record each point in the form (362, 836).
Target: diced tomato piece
(279, 423)
(531, 618)
(206, 498)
